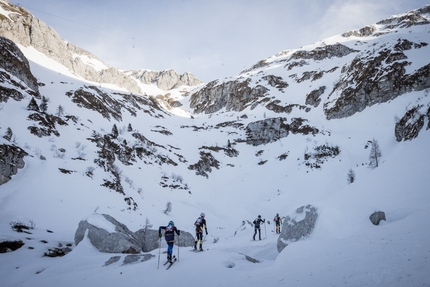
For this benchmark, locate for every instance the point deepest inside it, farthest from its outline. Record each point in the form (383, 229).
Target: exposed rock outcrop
(376, 217)
(298, 225)
(409, 126)
(272, 129)
(233, 96)
(323, 52)
(149, 239)
(297, 58)
(314, 97)
(23, 28)
(412, 18)
(11, 159)
(16, 78)
(205, 164)
(363, 32)
(165, 80)
(108, 235)
(373, 79)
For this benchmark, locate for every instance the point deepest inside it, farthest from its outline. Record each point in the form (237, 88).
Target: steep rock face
(270, 130)
(165, 80)
(324, 52)
(302, 57)
(14, 63)
(298, 225)
(409, 126)
(233, 96)
(375, 70)
(313, 98)
(23, 28)
(11, 159)
(378, 78)
(407, 20)
(363, 32)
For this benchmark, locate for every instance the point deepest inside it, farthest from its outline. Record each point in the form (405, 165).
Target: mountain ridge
(258, 143)
(33, 32)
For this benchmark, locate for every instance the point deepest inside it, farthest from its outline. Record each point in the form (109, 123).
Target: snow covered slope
(236, 148)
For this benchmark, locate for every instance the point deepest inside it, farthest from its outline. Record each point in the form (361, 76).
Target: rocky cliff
(343, 75)
(165, 80)
(23, 28)
(15, 71)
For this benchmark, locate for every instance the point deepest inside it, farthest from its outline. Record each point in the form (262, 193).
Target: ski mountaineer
(257, 223)
(200, 224)
(278, 222)
(169, 235)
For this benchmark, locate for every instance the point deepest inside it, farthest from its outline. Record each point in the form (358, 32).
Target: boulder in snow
(376, 217)
(108, 235)
(298, 225)
(149, 239)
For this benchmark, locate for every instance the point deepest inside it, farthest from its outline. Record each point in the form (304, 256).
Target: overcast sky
(211, 39)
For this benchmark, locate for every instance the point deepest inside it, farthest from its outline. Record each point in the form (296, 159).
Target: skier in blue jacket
(169, 235)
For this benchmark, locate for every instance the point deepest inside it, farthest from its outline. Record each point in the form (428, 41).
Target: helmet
(277, 214)
(202, 214)
(171, 223)
(259, 216)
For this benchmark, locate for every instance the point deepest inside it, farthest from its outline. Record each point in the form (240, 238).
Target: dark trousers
(259, 233)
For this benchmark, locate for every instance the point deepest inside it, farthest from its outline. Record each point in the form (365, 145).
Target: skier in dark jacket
(278, 222)
(200, 224)
(257, 223)
(169, 235)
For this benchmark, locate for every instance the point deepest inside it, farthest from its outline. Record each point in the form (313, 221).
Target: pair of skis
(170, 263)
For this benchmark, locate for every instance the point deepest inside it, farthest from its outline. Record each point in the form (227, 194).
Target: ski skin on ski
(197, 250)
(173, 258)
(171, 263)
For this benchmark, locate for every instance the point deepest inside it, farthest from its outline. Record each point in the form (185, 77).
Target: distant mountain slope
(341, 75)
(20, 26)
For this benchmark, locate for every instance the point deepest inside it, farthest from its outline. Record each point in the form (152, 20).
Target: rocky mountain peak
(344, 73)
(23, 28)
(165, 80)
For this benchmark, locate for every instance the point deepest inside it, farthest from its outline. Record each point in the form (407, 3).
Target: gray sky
(211, 39)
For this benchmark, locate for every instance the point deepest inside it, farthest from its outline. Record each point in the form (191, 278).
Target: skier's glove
(159, 235)
(206, 232)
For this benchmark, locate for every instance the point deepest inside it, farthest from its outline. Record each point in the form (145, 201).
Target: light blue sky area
(211, 39)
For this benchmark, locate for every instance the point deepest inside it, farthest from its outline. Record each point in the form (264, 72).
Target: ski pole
(178, 247)
(265, 232)
(159, 251)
